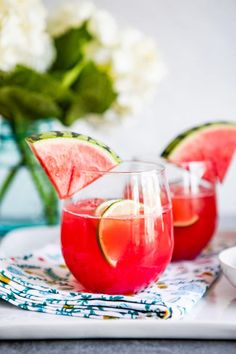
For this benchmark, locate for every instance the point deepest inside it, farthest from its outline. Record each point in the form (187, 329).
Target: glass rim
(177, 164)
(186, 163)
(152, 158)
(152, 212)
(156, 167)
(185, 167)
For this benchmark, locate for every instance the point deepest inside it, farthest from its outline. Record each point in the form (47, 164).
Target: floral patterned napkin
(41, 282)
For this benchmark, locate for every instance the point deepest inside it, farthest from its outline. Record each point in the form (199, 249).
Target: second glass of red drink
(194, 203)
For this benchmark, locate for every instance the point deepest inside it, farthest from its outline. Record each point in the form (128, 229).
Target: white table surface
(214, 317)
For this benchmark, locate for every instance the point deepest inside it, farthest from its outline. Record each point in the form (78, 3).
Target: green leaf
(3, 77)
(70, 47)
(16, 101)
(31, 80)
(75, 111)
(94, 91)
(70, 76)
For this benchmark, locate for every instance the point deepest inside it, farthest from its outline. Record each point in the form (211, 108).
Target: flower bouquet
(77, 64)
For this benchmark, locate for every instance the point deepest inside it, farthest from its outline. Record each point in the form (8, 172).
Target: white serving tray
(213, 318)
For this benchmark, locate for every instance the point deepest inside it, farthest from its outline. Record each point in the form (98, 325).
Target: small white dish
(228, 264)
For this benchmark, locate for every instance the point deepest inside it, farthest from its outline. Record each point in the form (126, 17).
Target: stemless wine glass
(116, 233)
(193, 195)
(194, 203)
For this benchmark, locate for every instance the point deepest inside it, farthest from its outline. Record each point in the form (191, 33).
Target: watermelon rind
(189, 134)
(63, 170)
(33, 139)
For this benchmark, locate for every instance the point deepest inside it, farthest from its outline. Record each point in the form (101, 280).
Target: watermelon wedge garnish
(215, 142)
(71, 160)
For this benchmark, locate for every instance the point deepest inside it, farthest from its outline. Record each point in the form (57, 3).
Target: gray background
(118, 347)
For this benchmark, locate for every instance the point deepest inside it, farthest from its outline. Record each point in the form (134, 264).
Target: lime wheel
(114, 232)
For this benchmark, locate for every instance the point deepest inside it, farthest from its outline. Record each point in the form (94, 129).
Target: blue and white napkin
(41, 282)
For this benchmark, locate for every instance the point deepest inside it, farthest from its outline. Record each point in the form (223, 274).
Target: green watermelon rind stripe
(34, 139)
(190, 133)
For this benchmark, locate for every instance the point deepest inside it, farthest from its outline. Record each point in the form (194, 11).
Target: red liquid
(201, 208)
(144, 245)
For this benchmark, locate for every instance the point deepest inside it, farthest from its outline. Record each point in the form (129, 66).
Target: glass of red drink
(114, 241)
(193, 195)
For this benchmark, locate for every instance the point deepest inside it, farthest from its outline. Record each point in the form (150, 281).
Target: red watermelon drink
(118, 252)
(110, 243)
(194, 210)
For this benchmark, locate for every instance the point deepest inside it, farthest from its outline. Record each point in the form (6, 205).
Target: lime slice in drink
(104, 205)
(183, 212)
(115, 228)
(186, 222)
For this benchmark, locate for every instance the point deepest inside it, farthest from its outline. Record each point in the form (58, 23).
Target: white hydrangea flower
(104, 28)
(23, 37)
(130, 57)
(136, 71)
(70, 14)
(135, 68)
(99, 54)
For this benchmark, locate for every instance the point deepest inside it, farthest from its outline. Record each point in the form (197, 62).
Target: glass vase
(26, 195)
